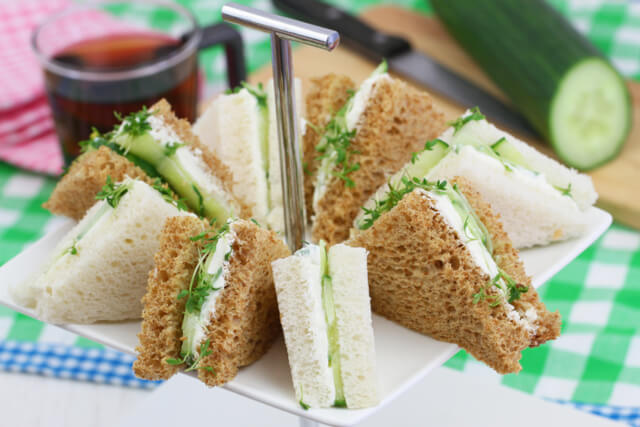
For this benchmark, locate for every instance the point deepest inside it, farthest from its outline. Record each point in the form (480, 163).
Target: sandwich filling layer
(332, 328)
(150, 143)
(462, 139)
(334, 146)
(205, 288)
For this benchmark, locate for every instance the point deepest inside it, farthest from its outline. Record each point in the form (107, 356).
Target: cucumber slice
(424, 161)
(508, 152)
(332, 328)
(590, 114)
(176, 174)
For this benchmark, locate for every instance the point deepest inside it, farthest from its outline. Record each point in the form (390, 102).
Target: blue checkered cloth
(625, 414)
(107, 366)
(98, 365)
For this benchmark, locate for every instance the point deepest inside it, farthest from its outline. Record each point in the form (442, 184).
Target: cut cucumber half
(590, 114)
(556, 78)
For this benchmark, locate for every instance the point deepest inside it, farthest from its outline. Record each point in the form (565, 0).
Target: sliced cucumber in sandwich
(332, 327)
(158, 151)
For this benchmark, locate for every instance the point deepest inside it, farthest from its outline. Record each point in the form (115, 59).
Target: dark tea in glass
(120, 65)
(78, 105)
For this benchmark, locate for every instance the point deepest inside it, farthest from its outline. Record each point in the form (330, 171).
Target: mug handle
(225, 34)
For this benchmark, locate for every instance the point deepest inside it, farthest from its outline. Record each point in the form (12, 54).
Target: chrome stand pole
(283, 31)
(290, 165)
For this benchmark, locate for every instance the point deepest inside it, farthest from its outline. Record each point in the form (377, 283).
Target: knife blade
(405, 61)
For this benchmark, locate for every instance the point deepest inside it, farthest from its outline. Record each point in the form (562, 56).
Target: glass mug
(101, 58)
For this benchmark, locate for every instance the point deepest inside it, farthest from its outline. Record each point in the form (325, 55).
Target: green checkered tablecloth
(597, 358)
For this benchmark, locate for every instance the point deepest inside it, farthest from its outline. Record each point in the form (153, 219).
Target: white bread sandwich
(147, 145)
(98, 271)
(210, 304)
(441, 264)
(325, 312)
(539, 200)
(366, 141)
(241, 129)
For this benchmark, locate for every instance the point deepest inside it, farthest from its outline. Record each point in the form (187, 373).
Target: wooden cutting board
(617, 183)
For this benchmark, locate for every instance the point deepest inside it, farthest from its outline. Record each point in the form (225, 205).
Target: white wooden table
(443, 398)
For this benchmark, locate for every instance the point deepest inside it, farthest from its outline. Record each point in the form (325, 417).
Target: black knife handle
(353, 32)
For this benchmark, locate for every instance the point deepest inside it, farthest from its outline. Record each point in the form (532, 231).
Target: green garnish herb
(335, 145)
(135, 124)
(194, 363)
(459, 123)
(201, 283)
(200, 200)
(428, 146)
(257, 91)
(170, 148)
(253, 220)
(503, 281)
(168, 195)
(73, 250)
(395, 194)
(95, 141)
(496, 144)
(112, 193)
(302, 404)
(565, 191)
(414, 157)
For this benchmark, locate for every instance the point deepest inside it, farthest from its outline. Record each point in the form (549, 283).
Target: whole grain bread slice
(327, 94)
(163, 312)
(422, 276)
(396, 122)
(75, 192)
(246, 320)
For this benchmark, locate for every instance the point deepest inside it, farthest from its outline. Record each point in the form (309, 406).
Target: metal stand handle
(283, 30)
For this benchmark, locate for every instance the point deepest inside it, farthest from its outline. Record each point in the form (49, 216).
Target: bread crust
(246, 320)
(76, 192)
(159, 338)
(327, 94)
(396, 122)
(422, 276)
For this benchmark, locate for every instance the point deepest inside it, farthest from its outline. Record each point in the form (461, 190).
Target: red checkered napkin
(27, 136)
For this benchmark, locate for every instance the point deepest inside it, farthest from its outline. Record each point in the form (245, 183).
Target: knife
(405, 61)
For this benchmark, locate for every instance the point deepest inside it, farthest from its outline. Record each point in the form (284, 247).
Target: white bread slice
(107, 277)
(275, 219)
(532, 212)
(582, 190)
(348, 271)
(298, 287)
(232, 128)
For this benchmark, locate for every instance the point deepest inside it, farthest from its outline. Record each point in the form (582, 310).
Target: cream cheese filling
(161, 132)
(218, 262)
(481, 257)
(192, 163)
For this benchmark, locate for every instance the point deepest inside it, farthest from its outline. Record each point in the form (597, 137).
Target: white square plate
(403, 356)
